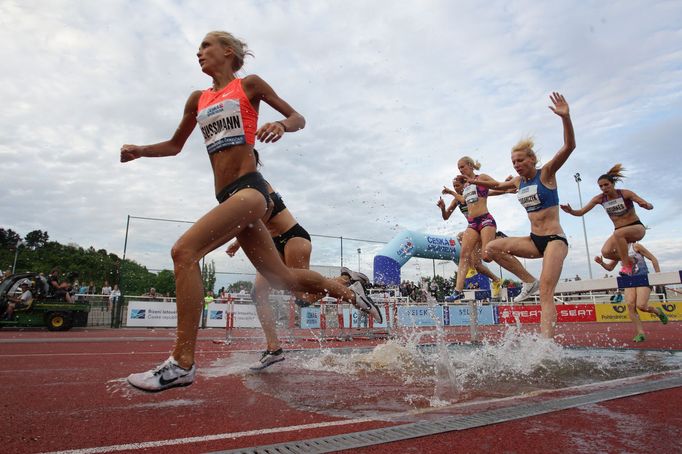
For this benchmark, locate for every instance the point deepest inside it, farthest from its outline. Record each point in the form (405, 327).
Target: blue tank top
(535, 196)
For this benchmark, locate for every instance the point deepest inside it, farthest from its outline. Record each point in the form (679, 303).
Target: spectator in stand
(19, 302)
(57, 288)
(106, 291)
(151, 295)
(114, 296)
(92, 290)
(617, 297)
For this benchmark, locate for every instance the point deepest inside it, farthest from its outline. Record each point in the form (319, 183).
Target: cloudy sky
(393, 94)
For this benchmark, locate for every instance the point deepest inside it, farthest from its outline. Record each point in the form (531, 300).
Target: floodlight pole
(587, 248)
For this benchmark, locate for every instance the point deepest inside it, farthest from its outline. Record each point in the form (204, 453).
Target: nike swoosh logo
(164, 382)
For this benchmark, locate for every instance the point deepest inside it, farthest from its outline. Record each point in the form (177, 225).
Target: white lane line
(205, 438)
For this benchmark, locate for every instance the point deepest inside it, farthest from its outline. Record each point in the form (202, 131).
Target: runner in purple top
(619, 206)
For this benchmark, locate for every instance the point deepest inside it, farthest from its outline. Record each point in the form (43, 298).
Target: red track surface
(64, 391)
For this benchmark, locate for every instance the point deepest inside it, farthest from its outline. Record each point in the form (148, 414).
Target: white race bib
(222, 125)
(615, 207)
(470, 194)
(528, 197)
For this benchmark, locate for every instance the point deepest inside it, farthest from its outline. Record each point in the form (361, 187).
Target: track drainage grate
(452, 423)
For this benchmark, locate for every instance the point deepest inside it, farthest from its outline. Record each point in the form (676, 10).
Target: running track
(64, 391)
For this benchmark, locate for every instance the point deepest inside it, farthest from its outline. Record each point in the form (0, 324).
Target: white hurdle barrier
(612, 283)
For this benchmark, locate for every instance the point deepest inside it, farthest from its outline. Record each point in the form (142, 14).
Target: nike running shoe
(527, 289)
(639, 338)
(268, 358)
(355, 276)
(365, 303)
(497, 285)
(662, 317)
(168, 375)
(456, 295)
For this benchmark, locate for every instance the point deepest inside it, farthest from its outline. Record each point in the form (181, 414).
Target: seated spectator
(617, 297)
(58, 289)
(19, 302)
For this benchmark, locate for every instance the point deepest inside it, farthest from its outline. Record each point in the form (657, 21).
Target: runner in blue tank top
(619, 206)
(538, 195)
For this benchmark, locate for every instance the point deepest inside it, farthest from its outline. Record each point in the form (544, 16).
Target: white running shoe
(167, 375)
(365, 303)
(268, 358)
(527, 289)
(355, 276)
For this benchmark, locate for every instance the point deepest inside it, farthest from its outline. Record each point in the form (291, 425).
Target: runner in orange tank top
(227, 119)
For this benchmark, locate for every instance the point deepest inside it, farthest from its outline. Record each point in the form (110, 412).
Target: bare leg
(469, 242)
(215, 228)
(504, 252)
(630, 295)
(296, 255)
(552, 263)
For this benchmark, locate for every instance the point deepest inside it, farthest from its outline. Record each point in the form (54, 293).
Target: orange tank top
(226, 117)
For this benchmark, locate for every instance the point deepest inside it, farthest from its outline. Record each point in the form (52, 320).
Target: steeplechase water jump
(314, 362)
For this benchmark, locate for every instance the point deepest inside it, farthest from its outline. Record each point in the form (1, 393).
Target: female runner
(619, 206)
(638, 297)
(459, 202)
(294, 246)
(228, 115)
(537, 193)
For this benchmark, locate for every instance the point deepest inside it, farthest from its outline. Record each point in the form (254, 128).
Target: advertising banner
(419, 315)
(359, 320)
(310, 317)
(245, 315)
(151, 313)
(575, 313)
(619, 312)
(460, 315)
(522, 314)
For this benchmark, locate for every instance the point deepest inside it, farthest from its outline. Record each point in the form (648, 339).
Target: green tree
(235, 287)
(165, 282)
(36, 239)
(9, 239)
(208, 276)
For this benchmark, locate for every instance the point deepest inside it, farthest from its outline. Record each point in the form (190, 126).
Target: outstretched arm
(258, 90)
(560, 108)
(637, 199)
(646, 253)
(446, 212)
(172, 146)
(488, 182)
(591, 204)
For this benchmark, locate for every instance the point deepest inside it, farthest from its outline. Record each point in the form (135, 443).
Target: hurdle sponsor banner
(310, 317)
(619, 312)
(151, 313)
(419, 315)
(460, 315)
(360, 321)
(576, 313)
(521, 314)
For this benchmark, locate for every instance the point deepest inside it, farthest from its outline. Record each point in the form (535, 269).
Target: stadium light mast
(587, 248)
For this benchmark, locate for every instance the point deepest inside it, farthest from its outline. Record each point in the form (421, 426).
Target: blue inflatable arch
(408, 244)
